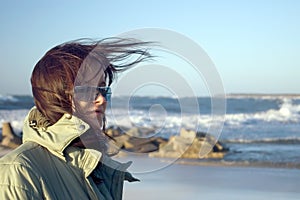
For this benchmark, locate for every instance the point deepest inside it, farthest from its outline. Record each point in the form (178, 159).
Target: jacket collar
(85, 159)
(58, 136)
(57, 139)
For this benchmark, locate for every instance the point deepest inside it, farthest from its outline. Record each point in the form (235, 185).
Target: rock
(187, 134)
(175, 147)
(132, 140)
(9, 138)
(114, 131)
(121, 139)
(141, 132)
(189, 145)
(143, 145)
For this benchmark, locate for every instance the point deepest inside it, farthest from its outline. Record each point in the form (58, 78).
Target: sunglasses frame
(90, 93)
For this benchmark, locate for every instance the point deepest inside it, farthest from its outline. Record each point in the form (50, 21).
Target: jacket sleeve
(18, 182)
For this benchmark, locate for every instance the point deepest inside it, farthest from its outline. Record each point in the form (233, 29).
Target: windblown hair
(54, 75)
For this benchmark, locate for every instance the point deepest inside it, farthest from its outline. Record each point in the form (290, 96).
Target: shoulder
(19, 155)
(19, 159)
(17, 172)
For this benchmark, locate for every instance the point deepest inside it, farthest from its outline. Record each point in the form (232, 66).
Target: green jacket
(45, 166)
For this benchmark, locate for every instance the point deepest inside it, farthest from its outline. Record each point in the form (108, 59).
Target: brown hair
(54, 75)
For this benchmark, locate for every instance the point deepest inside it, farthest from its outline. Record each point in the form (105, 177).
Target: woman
(65, 152)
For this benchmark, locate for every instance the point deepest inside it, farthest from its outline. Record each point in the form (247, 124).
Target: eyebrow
(103, 83)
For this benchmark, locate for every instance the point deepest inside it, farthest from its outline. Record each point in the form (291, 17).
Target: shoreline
(123, 157)
(245, 164)
(194, 162)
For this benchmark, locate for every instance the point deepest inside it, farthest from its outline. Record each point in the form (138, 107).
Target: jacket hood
(57, 136)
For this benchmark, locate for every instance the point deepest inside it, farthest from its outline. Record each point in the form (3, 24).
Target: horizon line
(216, 95)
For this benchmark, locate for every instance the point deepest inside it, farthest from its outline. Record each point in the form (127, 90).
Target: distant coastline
(290, 95)
(226, 95)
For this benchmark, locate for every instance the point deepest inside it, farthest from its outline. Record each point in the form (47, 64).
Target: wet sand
(179, 181)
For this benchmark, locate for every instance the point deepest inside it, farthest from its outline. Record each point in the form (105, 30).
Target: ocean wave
(16, 102)
(287, 113)
(8, 98)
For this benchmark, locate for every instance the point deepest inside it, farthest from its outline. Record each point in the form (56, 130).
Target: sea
(257, 129)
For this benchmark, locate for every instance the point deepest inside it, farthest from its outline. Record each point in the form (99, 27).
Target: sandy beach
(181, 181)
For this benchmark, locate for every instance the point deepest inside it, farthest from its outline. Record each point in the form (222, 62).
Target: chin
(98, 121)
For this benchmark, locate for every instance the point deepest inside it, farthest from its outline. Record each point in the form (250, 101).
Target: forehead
(92, 74)
(92, 69)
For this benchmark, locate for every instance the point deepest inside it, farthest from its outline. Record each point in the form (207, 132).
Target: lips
(99, 111)
(93, 112)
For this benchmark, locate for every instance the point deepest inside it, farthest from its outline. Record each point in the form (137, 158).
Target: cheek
(82, 107)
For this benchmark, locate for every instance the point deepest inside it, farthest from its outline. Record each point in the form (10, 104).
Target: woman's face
(90, 103)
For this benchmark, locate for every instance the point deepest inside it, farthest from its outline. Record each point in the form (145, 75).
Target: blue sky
(254, 44)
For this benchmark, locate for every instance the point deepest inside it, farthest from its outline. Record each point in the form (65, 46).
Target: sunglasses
(90, 93)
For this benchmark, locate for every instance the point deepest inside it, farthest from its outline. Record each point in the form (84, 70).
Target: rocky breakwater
(188, 144)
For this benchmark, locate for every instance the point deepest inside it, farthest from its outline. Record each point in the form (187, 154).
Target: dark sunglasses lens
(90, 93)
(105, 92)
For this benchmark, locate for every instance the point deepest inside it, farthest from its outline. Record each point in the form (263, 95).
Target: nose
(100, 100)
